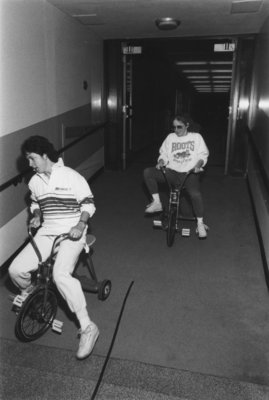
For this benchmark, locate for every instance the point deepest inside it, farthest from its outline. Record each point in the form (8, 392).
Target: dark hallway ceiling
(133, 21)
(196, 60)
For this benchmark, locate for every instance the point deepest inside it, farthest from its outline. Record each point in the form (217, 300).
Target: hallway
(198, 310)
(206, 302)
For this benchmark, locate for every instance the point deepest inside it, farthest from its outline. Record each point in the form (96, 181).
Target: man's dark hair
(40, 145)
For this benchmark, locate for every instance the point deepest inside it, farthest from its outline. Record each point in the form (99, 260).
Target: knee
(60, 278)
(147, 173)
(13, 270)
(195, 195)
(65, 282)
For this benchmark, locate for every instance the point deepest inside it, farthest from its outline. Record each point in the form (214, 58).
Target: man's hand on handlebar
(35, 222)
(76, 232)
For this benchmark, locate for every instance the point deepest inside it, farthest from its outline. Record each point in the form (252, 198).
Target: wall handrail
(18, 178)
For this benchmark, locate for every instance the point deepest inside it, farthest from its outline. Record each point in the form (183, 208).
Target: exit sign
(224, 47)
(132, 50)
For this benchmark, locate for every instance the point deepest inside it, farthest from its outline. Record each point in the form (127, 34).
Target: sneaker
(201, 230)
(154, 207)
(87, 341)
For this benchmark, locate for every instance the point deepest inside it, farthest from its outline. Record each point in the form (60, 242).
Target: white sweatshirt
(181, 153)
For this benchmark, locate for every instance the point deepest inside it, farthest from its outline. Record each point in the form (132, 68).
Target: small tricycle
(37, 310)
(170, 219)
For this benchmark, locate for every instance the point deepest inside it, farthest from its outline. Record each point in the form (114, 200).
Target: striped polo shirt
(61, 197)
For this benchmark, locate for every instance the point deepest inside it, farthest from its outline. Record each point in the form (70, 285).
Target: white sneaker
(201, 230)
(155, 206)
(87, 341)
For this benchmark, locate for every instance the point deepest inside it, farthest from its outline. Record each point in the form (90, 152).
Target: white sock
(156, 197)
(83, 318)
(200, 220)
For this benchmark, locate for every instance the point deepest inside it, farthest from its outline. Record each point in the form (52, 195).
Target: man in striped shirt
(61, 202)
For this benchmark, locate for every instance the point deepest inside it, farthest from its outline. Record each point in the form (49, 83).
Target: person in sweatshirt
(181, 152)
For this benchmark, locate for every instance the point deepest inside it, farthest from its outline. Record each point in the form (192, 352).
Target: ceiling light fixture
(195, 70)
(167, 23)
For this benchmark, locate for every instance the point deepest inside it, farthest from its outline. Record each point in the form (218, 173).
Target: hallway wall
(51, 80)
(258, 123)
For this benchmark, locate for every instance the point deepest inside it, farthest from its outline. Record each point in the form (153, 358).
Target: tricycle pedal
(57, 326)
(157, 223)
(20, 299)
(185, 232)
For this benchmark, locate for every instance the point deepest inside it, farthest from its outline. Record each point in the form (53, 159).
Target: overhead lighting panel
(222, 70)
(197, 76)
(191, 62)
(204, 63)
(220, 62)
(207, 76)
(185, 71)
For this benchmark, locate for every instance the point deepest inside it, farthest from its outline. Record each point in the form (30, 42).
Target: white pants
(67, 257)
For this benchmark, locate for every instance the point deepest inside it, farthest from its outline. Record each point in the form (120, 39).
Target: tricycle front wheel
(171, 227)
(36, 315)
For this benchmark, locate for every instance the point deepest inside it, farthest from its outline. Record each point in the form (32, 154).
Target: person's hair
(181, 118)
(40, 145)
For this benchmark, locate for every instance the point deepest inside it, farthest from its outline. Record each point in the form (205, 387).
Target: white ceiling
(129, 19)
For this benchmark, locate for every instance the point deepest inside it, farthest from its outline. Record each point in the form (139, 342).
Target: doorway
(168, 77)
